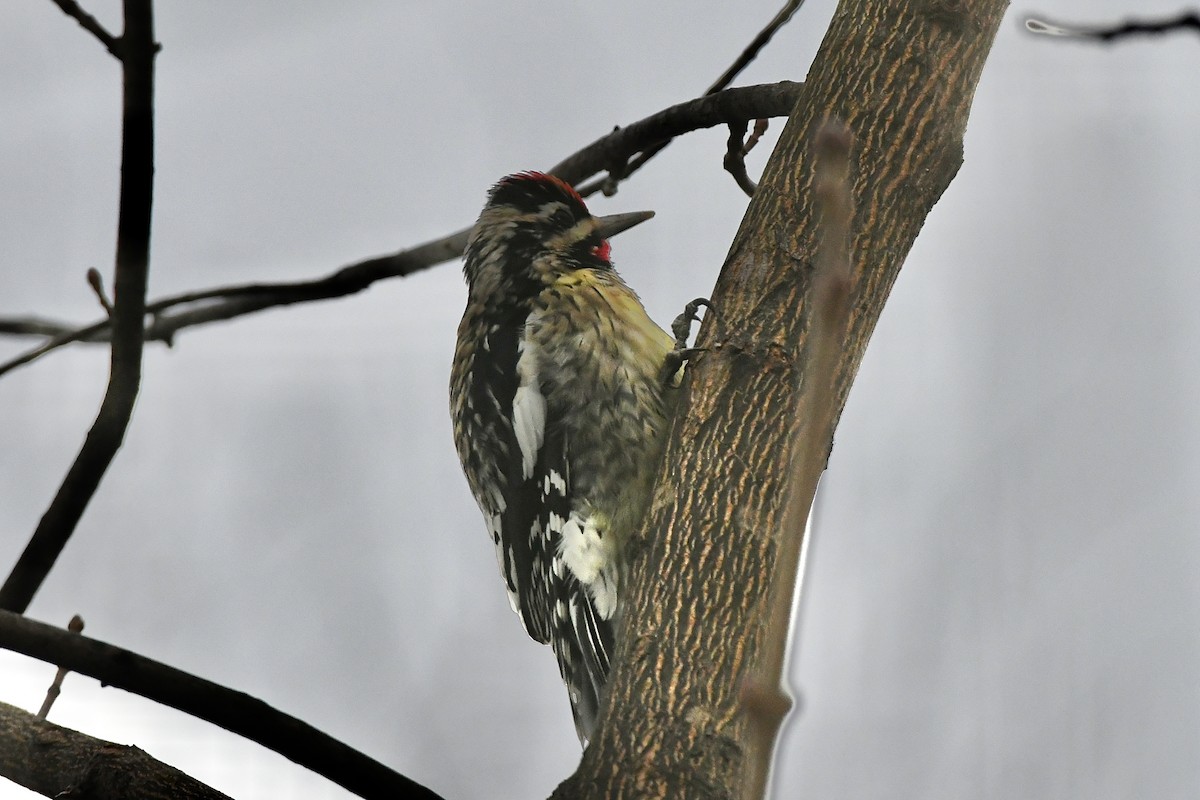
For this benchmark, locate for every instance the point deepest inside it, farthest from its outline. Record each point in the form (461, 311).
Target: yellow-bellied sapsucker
(560, 394)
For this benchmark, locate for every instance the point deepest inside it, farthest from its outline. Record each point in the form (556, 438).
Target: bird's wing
(582, 640)
(501, 458)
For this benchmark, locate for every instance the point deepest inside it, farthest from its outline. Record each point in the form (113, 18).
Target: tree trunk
(719, 550)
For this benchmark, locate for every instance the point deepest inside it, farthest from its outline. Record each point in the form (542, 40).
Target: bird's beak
(615, 223)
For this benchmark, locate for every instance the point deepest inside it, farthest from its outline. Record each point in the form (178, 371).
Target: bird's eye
(562, 219)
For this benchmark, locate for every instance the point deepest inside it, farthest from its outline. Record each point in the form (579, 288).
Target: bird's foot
(681, 329)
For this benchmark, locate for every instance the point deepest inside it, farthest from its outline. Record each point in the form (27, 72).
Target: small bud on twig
(97, 283)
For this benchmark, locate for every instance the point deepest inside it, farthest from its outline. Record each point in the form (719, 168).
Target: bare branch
(61, 334)
(1185, 21)
(735, 158)
(756, 45)
(129, 287)
(59, 762)
(736, 149)
(212, 305)
(234, 711)
(609, 183)
(728, 106)
(33, 326)
(91, 25)
(760, 128)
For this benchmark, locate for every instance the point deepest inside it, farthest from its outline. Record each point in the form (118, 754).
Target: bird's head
(533, 228)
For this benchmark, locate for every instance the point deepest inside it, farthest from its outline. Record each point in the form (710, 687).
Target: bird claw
(681, 328)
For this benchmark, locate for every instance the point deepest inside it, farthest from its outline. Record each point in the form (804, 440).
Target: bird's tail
(583, 648)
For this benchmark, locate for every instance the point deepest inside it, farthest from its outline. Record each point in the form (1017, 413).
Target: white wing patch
(529, 421)
(554, 481)
(592, 558)
(529, 409)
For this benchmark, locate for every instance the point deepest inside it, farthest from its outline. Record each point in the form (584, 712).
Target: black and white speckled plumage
(559, 414)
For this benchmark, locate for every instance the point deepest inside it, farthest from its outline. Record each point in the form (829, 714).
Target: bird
(561, 391)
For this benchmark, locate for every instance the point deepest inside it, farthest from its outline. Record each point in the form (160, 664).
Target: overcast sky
(1002, 597)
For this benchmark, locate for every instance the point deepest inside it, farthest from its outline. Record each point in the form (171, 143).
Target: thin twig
(234, 711)
(129, 289)
(756, 45)
(96, 281)
(91, 25)
(74, 626)
(714, 108)
(747, 56)
(760, 127)
(1185, 21)
(33, 326)
(211, 305)
(735, 158)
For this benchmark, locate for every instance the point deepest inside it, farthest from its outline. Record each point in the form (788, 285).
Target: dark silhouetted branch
(756, 45)
(129, 287)
(90, 24)
(1107, 33)
(234, 711)
(720, 108)
(735, 158)
(33, 326)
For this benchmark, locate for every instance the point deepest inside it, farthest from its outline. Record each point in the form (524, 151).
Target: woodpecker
(560, 394)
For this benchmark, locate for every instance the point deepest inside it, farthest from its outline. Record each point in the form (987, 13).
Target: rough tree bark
(676, 722)
(59, 762)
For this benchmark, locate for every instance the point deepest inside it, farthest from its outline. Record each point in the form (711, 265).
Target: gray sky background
(1001, 599)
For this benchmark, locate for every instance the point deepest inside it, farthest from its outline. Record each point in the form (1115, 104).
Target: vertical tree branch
(764, 693)
(137, 49)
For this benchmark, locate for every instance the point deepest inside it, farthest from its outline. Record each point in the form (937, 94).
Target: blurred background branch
(1188, 20)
